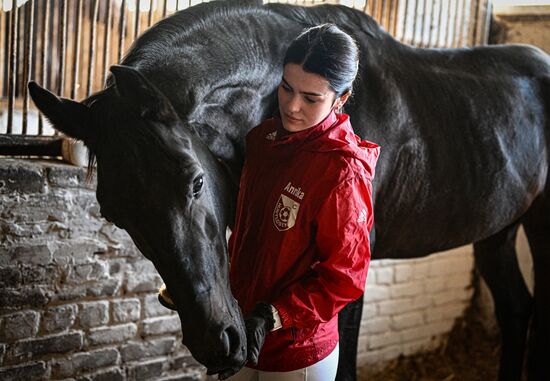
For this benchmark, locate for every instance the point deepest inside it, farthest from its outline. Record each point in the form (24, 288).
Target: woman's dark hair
(328, 51)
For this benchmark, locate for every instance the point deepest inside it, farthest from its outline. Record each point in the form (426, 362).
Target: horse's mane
(346, 18)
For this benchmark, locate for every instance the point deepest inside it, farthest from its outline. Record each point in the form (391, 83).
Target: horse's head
(160, 183)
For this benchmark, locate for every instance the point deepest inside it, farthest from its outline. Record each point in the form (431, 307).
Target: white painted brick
(403, 273)
(427, 331)
(406, 289)
(384, 276)
(371, 278)
(448, 296)
(444, 312)
(440, 267)
(369, 311)
(379, 356)
(377, 325)
(395, 306)
(421, 270)
(435, 284)
(421, 301)
(362, 344)
(460, 280)
(383, 340)
(376, 293)
(407, 320)
(422, 345)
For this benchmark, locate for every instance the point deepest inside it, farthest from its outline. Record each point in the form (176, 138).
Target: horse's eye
(197, 185)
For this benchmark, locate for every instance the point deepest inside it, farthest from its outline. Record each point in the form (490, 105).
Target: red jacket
(301, 236)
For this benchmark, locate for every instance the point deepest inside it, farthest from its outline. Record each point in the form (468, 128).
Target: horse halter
(165, 299)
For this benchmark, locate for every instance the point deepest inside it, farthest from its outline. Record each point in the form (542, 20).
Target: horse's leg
(349, 321)
(496, 260)
(537, 228)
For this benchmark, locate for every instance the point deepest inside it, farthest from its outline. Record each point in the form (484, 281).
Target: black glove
(258, 324)
(228, 373)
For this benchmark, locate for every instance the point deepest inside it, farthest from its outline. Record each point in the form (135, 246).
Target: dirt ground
(469, 354)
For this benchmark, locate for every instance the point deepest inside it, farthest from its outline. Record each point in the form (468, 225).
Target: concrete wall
(522, 25)
(77, 300)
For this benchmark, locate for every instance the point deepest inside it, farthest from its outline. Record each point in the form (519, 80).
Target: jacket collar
(285, 137)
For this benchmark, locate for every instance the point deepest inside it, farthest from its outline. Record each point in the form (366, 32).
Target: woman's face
(305, 99)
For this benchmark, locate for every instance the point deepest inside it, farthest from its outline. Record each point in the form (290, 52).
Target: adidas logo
(271, 135)
(362, 216)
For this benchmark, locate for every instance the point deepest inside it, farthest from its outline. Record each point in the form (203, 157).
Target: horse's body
(465, 140)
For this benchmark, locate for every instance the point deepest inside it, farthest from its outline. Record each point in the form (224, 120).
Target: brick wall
(411, 305)
(78, 301)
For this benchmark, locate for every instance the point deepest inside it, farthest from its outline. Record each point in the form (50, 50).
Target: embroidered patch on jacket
(271, 135)
(285, 213)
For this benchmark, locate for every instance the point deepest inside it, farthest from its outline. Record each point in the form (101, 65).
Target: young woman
(300, 246)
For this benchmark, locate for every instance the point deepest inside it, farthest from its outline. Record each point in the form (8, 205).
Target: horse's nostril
(226, 344)
(230, 340)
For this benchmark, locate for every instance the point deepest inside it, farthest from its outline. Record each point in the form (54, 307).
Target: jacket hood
(332, 134)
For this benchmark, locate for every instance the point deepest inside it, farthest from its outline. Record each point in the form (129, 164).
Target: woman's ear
(341, 100)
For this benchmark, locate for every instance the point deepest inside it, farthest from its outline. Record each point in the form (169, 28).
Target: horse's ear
(70, 117)
(141, 95)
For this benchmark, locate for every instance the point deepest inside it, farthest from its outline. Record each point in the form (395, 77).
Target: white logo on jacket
(362, 216)
(286, 209)
(271, 135)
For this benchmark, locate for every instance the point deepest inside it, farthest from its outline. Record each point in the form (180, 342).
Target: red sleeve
(342, 239)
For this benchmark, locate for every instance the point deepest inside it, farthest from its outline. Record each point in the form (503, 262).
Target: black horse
(465, 139)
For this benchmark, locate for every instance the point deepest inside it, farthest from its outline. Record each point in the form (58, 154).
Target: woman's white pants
(324, 370)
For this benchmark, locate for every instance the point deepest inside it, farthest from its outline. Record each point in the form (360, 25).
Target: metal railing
(68, 46)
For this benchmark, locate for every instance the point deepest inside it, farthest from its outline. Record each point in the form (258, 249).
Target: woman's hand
(258, 324)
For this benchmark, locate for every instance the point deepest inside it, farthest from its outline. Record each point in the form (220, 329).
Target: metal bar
(137, 20)
(62, 46)
(462, 20)
(447, 26)
(415, 22)
(486, 25)
(432, 24)
(455, 25)
(12, 64)
(395, 16)
(150, 18)
(379, 11)
(387, 14)
(18, 42)
(36, 32)
(405, 19)
(43, 52)
(439, 25)
(472, 22)
(122, 29)
(423, 24)
(5, 28)
(76, 52)
(29, 22)
(91, 63)
(107, 42)
(165, 9)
